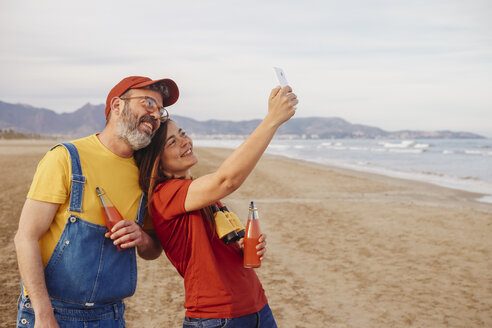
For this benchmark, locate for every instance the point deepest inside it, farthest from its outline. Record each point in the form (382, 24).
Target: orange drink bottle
(251, 259)
(110, 212)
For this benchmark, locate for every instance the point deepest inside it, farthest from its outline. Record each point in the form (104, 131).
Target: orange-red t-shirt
(216, 283)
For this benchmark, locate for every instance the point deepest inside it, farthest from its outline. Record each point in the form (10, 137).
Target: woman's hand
(261, 247)
(281, 104)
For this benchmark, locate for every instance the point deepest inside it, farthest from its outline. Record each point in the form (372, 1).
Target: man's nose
(156, 114)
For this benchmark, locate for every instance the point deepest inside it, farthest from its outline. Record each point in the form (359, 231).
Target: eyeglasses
(150, 105)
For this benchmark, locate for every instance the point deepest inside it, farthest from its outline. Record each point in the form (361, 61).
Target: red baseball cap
(137, 82)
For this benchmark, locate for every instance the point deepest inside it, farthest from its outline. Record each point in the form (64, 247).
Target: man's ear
(117, 105)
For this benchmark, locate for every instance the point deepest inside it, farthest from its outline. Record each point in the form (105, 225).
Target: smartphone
(281, 76)
(282, 80)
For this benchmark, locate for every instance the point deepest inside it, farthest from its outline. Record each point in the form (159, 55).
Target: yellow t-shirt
(116, 175)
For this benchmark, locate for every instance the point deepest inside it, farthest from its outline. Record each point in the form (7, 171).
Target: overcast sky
(420, 64)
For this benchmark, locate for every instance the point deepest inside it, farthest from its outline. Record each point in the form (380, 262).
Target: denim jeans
(108, 316)
(261, 319)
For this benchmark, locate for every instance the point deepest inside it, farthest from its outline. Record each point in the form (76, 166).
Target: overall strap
(142, 207)
(78, 180)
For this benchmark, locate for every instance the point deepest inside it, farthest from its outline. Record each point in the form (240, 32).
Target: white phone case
(281, 76)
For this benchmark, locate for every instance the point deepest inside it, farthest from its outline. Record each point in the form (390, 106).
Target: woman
(220, 292)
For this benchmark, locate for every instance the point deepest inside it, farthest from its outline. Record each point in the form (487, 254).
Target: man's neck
(115, 144)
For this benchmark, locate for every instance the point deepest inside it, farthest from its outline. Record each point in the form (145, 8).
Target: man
(72, 272)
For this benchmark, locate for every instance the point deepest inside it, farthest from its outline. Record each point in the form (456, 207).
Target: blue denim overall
(86, 276)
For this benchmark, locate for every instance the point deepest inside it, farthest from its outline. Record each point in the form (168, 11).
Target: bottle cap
(100, 191)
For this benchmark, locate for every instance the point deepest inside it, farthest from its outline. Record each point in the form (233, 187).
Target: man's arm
(151, 251)
(35, 219)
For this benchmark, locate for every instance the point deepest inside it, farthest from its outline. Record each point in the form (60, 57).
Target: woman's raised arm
(235, 169)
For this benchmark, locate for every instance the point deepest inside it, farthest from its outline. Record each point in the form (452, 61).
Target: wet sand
(345, 249)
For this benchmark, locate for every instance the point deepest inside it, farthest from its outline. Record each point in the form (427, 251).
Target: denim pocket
(205, 323)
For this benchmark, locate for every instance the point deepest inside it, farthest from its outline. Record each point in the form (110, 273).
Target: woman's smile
(189, 152)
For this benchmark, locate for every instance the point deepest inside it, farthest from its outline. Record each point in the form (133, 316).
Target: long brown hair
(151, 172)
(148, 160)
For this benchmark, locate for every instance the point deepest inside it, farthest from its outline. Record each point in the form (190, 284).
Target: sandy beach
(345, 248)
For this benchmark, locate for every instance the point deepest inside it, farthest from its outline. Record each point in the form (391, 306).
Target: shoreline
(483, 193)
(25, 146)
(473, 198)
(478, 195)
(483, 189)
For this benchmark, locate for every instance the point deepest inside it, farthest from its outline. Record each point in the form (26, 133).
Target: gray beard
(127, 129)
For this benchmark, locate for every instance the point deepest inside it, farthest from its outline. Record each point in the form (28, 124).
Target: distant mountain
(90, 119)
(28, 119)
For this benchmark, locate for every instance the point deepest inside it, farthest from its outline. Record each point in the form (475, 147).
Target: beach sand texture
(345, 249)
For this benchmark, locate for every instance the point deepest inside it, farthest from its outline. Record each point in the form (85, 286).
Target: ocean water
(464, 164)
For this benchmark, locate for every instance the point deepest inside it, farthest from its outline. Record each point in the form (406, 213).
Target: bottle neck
(253, 214)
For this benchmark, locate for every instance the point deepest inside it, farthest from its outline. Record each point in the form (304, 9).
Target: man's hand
(127, 234)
